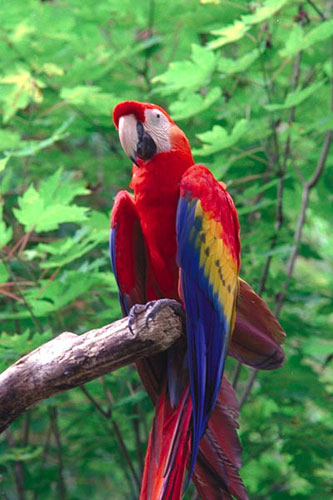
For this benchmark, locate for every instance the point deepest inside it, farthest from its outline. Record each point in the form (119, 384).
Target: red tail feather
(168, 449)
(216, 472)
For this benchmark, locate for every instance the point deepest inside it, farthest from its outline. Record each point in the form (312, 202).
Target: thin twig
(25, 430)
(119, 436)
(235, 376)
(279, 207)
(108, 415)
(301, 219)
(56, 433)
(281, 172)
(98, 407)
(307, 186)
(319, 12)
(136, 429)
(125, 452)
(248, 388)
(20, 292)
(18, 469)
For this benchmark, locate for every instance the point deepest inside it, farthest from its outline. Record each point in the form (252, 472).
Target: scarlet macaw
(178, 238)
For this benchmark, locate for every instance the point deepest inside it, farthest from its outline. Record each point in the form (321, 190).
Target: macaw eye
(154, 117)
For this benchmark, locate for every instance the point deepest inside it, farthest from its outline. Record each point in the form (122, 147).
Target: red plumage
(144, 245)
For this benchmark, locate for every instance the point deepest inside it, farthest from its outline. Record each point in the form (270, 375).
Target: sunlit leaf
(218, 138)
(229, 34)
(295, 98)
(298, 40)
(18, 90)
(230, 66)
(44, 209)
(236, 31)
(6, 233)
(193, 104)
(91, 98)
(267, 10)
(191, 74)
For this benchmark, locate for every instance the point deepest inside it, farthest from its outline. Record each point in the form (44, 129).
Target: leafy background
(251, 84)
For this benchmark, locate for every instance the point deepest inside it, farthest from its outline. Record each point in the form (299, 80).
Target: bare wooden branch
(71, 360)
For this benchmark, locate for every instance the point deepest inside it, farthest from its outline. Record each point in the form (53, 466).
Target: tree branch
(71, 360)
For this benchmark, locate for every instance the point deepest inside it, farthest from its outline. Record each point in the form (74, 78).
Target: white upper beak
(128, 135)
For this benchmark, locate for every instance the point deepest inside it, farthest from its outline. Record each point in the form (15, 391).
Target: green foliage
(229, 71)
(47, 208)
(218, 138)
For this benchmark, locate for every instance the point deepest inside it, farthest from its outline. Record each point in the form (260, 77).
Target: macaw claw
(134, 311)
(157, 305)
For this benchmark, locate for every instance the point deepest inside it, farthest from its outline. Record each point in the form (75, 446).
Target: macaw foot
(134, 311)
(155, 306)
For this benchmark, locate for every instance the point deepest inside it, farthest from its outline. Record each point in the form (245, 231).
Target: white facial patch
(158, 126)
(128, 135)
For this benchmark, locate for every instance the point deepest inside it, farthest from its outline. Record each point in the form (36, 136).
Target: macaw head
(146, 130)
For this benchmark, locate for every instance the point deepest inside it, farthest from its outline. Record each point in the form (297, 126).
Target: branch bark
(71, 360)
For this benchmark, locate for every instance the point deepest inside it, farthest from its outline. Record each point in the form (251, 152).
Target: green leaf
(67, 250)
(8, 139)
(218, 138)
(3, 162)
(91, 98)
(293, 42)
(230, 34)
(281, 250)
(298, 40)
(4, 274)
(319, 348)
(193, 104)
(57, 294)
(45, 209)
(34, 147)
(237, 30)
(52, 69)
(13, 346)
(21, 454)
(190, 75)
(295, 98)
(6, 233)
(267, 10)
(253, 208)
(18, 90)
(256, 189)
(230, 66)
(61, 188)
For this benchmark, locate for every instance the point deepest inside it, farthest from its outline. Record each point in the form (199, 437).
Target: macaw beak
(135, 141)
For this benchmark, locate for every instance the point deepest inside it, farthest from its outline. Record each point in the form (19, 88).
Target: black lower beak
(146, 147)
(134, 160)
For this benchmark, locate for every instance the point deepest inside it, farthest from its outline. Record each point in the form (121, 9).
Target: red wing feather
(258, 334)
(127, 252)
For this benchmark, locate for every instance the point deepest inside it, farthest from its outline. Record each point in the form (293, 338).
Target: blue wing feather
(112, 247)
(208, 327)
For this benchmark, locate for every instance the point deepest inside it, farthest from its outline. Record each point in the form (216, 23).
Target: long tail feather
(168, 449)
(216, 472)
